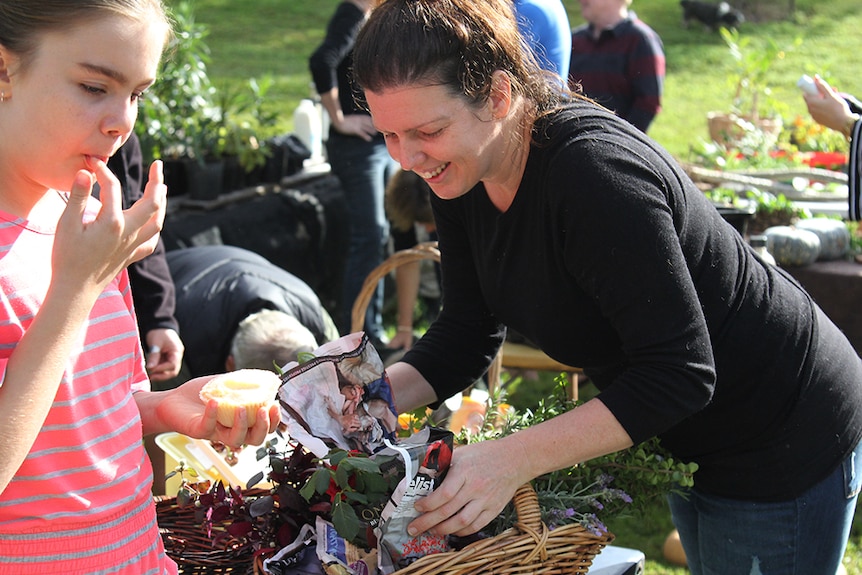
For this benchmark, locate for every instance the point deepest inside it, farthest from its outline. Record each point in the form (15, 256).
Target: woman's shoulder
(581, 125)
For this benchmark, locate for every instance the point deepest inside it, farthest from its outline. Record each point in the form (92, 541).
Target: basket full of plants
(339, 489)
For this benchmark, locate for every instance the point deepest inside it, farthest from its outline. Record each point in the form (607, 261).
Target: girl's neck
(45, 210)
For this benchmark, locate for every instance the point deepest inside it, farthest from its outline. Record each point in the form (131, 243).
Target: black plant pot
(205, 180)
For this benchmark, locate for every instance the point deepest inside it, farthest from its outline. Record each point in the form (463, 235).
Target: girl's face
(76, 97)
(447, 142)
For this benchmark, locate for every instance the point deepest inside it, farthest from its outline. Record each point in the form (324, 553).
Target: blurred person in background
(618, 61)
(220, 292)
(841, 112)
(357, 154)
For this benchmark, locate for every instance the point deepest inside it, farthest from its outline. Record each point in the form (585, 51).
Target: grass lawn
(273, 37)
(254, 38)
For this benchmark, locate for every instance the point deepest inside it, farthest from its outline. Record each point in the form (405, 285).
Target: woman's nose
(409, 155)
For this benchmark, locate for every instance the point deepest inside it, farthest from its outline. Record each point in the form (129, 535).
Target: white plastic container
(308, 126)
(807, 85)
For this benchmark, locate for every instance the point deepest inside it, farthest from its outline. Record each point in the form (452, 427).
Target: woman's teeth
(435, 172)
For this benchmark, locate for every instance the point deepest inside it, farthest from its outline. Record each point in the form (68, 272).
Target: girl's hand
(182, 410)
(89, 254)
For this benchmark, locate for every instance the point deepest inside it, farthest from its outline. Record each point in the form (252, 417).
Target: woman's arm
(484, 476)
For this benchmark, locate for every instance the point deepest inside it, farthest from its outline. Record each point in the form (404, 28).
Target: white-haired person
(220, 291)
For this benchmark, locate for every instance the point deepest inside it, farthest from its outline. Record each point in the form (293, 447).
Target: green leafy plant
(806, 135)
(752, 93)
(185, 116)
(774, 210)
(178, 115)
(350, 488)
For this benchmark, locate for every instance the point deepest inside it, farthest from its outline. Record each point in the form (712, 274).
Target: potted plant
(192, 126)
(753, 113)
(242, 131)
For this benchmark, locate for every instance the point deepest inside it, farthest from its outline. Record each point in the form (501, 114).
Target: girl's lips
(91, 161)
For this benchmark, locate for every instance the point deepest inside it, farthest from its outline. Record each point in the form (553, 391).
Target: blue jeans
(805, 536)
(362, 168)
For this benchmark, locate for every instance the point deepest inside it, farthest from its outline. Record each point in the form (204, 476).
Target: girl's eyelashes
(95, 90)
(136, 96)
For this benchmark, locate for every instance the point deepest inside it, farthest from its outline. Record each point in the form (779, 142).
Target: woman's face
(77, 96)
(446, 141)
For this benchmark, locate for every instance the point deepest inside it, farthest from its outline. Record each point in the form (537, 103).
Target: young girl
(75, 482)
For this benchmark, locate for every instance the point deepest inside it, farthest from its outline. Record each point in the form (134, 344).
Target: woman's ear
(501, 94)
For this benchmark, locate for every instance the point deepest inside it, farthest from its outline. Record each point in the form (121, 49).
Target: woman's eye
(433, 134)
(138, 96)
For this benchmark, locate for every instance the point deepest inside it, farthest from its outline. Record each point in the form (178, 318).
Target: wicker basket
(527, 548)
(190, 547)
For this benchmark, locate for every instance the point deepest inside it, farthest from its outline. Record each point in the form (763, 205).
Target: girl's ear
(6, 60)
(501, 94)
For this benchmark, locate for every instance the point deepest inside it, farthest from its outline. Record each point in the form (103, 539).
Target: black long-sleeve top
(331, 62)
(609, 258)
(152, 286)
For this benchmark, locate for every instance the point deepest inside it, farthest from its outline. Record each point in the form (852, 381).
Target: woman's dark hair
(457, 44)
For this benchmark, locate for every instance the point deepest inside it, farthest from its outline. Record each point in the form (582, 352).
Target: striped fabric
(623, 70)
(82, 501)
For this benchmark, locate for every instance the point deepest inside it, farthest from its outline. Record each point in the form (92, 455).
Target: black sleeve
(336, 46)
(854, 173)
(152, 287)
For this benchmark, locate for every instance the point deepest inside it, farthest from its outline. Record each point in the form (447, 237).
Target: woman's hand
(481, 480)
(356, 125)
(827, 107)
(484, 476)
(164, 354)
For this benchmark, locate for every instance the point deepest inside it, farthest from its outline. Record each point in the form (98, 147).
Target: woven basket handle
(422, 251)
(526, 503)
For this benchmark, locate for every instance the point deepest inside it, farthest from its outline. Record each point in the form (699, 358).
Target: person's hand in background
(828, 108)
(164, 354)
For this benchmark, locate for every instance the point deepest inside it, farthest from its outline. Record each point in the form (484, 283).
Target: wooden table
(836, 286)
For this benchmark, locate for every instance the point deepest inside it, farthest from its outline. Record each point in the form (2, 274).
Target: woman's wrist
(405, 329)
